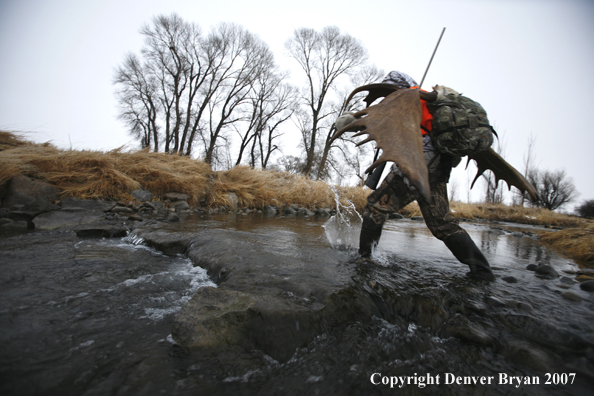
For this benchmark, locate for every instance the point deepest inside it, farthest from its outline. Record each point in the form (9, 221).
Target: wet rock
(528, 355)
(569, 295)
(122, 209)
(66, 218)
(101, 231)
(322, 212)
(546, 272)
(476, 306)
(587, 286)
(544, 333)
(142, 195)
(417, 218)
(21, 190)
(181, 205)
(510, 279)
(519, 305)
(215, 317)
(173, 218)
(584, 277)
(29, 210)
(304, 212)
(87, 204)
(495, 302)
(531, 267)
(8, 224)
(567, 280)
(288, 210)
(268, 209)
(471, 333)
(174, 197)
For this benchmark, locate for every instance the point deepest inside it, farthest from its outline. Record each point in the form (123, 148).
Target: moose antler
(394, 125)
(489, 159)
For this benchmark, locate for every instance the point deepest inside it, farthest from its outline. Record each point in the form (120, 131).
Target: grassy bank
(115, 174)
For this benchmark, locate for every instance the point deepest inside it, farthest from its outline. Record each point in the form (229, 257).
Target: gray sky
(530, 63)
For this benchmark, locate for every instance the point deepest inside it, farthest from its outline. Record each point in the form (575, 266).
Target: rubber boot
(463, 247)
(370, 236)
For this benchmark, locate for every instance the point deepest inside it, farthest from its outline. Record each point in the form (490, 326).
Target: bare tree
(271, 103)
(187, 87)
(519, 197)
(325, 57)
(138, 101)
(553, 188)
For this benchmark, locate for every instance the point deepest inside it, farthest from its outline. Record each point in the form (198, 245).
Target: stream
(83, 316)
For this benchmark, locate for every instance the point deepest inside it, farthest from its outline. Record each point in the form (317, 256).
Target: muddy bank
(287, 312)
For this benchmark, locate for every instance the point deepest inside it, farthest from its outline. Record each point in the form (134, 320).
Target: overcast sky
(529, 63)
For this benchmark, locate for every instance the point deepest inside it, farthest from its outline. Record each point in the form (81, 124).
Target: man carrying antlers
(396, 192)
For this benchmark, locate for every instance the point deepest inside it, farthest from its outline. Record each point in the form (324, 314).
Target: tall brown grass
(115, 174)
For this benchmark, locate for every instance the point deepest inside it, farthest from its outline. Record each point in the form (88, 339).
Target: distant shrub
(586, 209)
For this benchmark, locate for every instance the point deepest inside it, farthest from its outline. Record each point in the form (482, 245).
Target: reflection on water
(504, 245)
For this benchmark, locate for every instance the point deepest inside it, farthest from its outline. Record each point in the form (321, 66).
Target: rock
(522, 306)
(495, 302)
(122, 209)
(21, 190)
(101, 231)
(471, 333)
(567, 280)
(66, 218)
(587, 286)
(268, 209)
(569, 295)
(528, 355)
(288, 210)
(541, 332)
(173, 218)
(88, 204)
(8, 224)
(584, 277)
(417, 218)
(395, 216)
(181, 205)
(174, 197)
(531, 267)
(304, 212)
(156, 204)
(510, 279)
(215, 317)
(142, 195)
(546, 272)
(321, 212)
(28, 211)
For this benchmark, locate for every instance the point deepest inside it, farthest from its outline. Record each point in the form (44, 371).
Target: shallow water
(93, 317)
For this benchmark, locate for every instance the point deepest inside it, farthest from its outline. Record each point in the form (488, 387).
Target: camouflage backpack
(460, 125)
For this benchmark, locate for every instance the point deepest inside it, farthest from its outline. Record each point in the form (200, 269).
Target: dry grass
(256, 189)
(115, 174)
(577, 243)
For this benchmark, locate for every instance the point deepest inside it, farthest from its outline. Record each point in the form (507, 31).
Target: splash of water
(342, 229)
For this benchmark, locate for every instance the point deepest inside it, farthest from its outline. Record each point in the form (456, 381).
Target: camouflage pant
(395, 193)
